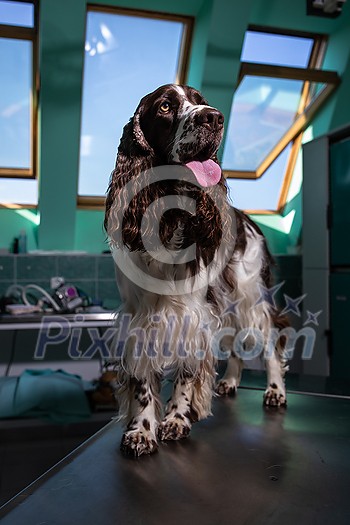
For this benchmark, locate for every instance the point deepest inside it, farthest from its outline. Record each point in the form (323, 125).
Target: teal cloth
(53, 395)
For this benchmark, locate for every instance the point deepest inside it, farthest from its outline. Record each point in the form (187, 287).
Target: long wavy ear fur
(134, 155)
(138, 134)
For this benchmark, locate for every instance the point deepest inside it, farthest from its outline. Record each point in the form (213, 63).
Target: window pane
(262, 193)
(125, 58)
(17, 14)
(15, 103)
(263, 109)
(18, 191)
(280, 50)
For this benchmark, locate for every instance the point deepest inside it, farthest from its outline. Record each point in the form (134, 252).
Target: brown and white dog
(193, 272)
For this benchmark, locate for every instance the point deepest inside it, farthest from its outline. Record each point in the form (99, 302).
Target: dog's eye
(165, 107)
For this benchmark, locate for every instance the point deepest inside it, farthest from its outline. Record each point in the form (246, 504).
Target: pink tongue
(207, 173)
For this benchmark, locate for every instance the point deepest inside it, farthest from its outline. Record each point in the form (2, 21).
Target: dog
(194, 282)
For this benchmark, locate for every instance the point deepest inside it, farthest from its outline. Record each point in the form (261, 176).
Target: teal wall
(62, 31)
(89, 231)
(214, 65)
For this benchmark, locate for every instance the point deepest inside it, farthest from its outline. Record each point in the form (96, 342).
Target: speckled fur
(235, 244)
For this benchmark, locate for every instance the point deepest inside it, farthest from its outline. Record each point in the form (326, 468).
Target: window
(17, 102)
(17, 13)
(262, 193)
(280, 89)
(127, 54)
(276, 49)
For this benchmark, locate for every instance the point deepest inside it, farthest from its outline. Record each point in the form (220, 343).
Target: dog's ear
(133, 143)
(134, 156)
(138, 134)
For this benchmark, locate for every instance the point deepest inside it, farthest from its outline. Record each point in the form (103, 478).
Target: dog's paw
(173, 429)
(223, 388)
(138, 442)
(274, 396)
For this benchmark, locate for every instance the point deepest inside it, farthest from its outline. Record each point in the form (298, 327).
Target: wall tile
(77, 267)
(7, 271)
(34, 267)
(105, 267)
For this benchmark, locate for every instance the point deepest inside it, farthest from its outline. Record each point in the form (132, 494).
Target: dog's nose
(211, 118)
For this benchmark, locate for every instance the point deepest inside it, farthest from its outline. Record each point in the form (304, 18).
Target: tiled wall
(94, 274)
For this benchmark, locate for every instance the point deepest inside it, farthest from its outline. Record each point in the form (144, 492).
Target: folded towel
(53, 395)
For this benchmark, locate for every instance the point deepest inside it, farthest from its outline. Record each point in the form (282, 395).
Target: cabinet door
(340, 323)
(340, 203)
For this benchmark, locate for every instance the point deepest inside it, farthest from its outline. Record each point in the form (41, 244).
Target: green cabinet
(340, 258)
(340, 323)
(340, 203)
(326, 251)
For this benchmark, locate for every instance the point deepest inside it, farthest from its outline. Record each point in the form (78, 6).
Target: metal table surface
(44, 323)
(37, 321)
(246, 465)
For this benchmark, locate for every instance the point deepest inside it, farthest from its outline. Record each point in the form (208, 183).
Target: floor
(245, 466)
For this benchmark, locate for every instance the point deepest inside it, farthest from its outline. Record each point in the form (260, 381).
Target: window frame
(305, 112)
(29, 34)
(91, 202)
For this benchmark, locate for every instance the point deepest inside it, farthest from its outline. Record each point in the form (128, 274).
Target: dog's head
(177, 125)
(173, 125)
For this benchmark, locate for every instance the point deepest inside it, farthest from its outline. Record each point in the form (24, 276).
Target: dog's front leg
(140, 436)
(228, 384)
(179, 414)
(275, 394)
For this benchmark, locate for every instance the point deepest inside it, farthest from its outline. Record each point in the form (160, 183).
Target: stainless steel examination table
(245, 466)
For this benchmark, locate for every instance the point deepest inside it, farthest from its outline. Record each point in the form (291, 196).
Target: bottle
(22, 242)
(15, 245)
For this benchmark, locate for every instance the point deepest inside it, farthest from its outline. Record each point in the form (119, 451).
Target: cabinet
(326, 251)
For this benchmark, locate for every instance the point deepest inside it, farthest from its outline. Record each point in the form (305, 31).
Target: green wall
(61, 66)
(214, 65)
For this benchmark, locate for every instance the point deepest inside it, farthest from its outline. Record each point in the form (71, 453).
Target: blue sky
(16, 13)
(126, 57)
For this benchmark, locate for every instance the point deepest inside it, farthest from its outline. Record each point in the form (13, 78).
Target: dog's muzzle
(210, 118)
